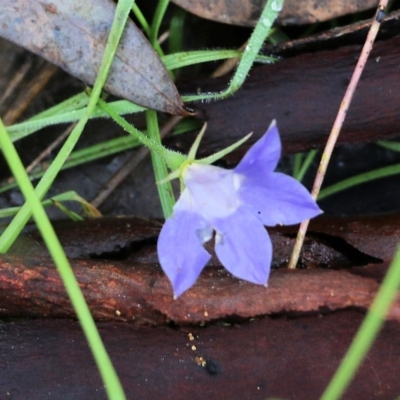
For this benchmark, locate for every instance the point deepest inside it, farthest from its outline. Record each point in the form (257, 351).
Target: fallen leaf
(294, 12)
(72, 34)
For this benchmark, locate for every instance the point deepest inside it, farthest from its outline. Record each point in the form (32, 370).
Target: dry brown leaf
(294, 12)
(72, 34)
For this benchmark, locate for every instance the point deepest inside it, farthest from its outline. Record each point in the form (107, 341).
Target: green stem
(359, 179)
(146, 141)
(146, 27)
(306, 164)
(257, 38)
(155, 27)
(366, 334)
(298, 158)
(152, 141)
(107, 371)
(175, 40)
(159, 166)
(157, 19)
(141, 18)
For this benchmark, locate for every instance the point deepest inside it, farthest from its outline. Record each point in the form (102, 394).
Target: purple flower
(236, 204)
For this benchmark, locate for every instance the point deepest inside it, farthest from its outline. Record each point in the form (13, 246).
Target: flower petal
(212, 189)
(263, 156)
(278, 199)
(243, 246)
(180, 249)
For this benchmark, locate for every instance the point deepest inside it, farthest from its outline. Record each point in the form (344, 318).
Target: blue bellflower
(235, 204)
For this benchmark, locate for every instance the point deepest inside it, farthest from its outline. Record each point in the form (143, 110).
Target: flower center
(214, 190)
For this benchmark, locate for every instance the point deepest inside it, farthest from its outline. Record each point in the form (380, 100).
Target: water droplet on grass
(276, 5)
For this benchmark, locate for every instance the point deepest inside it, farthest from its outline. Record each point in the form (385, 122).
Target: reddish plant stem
(337, 125)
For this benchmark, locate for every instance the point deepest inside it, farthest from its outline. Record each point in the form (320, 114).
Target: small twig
(228, 65)
(33, 89)
(50, 148)
(15, 80)
(46, 151)
(344, 106)
(133, 161)
(163, 37)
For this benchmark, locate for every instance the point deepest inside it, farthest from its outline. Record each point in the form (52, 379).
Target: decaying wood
(142, 293)
(303, 94)
(333, 241)
(258, 360)
(281, 358)
(134, 288)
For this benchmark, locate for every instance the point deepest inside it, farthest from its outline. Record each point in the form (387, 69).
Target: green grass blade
(146, 27)
(156, 23)
(23, 129)
(395, 146)
(20, 220)
(113, 387)
(306, 164)
(175, 39)
(366, 334)
(73, 103)
(359, 179)
(110, 378)
(70, 195)
(298, 159)
(183, 59)
(141, 18)
(75, 108)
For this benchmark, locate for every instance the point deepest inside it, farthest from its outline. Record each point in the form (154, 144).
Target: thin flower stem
(344, 106)
(141, 137)
(165, 192)
(159, 166)
(133, 161)
(257, 38)
(99, 150)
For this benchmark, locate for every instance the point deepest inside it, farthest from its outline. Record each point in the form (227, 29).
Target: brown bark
(135, 289)
(303, 93)
(267, 358)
